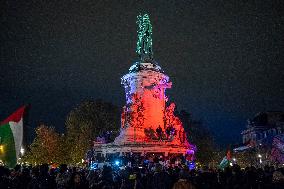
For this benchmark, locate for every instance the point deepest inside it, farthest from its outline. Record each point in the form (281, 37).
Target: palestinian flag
(224, 163)
(226, 160)
(11, 137)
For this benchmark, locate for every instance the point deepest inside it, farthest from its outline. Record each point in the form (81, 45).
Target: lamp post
(1, 146)
(1, 152)
(22, 151)
(234, 161)
(260, 160)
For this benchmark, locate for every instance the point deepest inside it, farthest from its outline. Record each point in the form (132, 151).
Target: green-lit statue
(144, 42)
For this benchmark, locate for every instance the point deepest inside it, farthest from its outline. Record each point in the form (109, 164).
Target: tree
(201, 137)
(46, 147)
(86, 122)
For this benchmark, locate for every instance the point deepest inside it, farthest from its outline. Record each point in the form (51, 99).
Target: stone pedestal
(145, 111)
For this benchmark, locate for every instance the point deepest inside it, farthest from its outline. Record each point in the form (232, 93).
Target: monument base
(159, 147)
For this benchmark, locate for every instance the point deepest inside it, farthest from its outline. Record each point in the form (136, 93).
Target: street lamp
(260, 160)
(1, 145)
(22, 151)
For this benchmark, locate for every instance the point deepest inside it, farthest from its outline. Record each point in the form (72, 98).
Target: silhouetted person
(159, 132)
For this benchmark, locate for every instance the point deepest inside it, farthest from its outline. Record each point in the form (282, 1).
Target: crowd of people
(152, 176)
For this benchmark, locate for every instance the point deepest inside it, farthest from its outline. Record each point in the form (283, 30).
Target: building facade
(263, 128)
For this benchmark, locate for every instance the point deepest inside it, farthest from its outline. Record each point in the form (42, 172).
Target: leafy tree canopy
(200, 136)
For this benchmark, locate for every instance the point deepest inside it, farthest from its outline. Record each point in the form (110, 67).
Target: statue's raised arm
(144, 42)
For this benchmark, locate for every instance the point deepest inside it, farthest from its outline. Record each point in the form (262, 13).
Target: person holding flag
(11, 137)
(226, 160)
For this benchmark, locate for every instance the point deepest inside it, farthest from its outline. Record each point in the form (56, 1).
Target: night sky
(225, 58)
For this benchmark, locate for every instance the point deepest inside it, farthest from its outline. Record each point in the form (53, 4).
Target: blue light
(116, 162)
(93, 166)
(146, 161)
(191, 165)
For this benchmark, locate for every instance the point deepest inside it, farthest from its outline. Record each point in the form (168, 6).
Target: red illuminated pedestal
(147, 124)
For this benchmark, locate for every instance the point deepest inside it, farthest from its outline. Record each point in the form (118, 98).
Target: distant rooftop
(269, 118)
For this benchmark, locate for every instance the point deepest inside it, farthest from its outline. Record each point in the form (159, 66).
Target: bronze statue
(144, 42)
